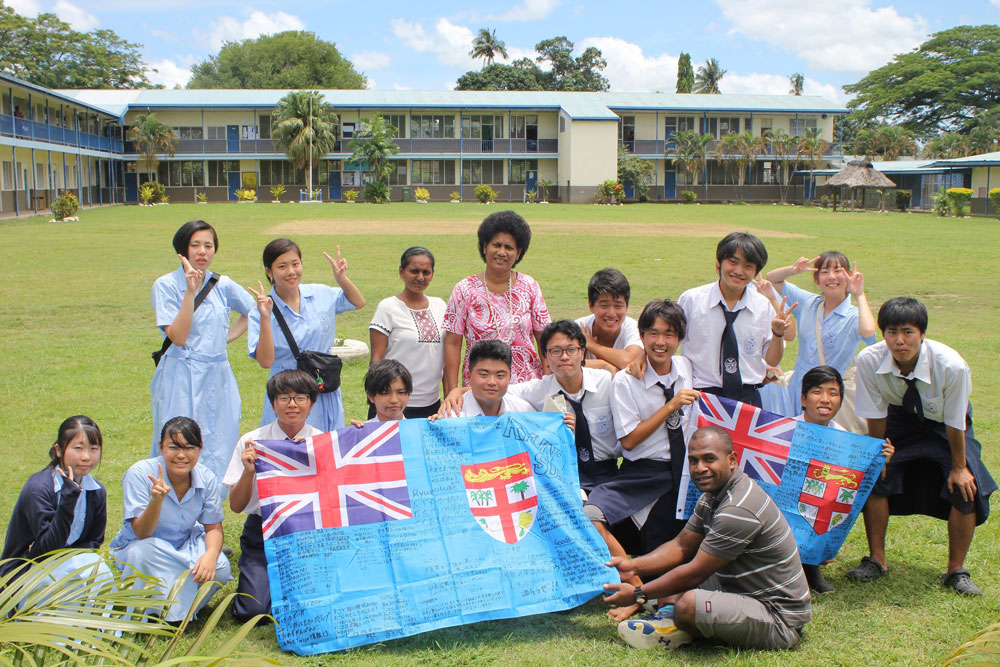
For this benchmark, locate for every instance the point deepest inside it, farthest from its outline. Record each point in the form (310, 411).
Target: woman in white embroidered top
(409, 328)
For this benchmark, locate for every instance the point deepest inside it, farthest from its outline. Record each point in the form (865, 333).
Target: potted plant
(65, 206)
(456, 197)
(202, 197)
(532, 196)
(147, 193)
(543, 190)
(422, 195)
(351, 196)
(276, 192)
(485, 194)
(246, 196)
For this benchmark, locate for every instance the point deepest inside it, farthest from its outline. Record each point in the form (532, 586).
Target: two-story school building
(449, 141)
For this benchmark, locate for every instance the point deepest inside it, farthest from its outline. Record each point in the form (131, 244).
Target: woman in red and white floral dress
(498, 303)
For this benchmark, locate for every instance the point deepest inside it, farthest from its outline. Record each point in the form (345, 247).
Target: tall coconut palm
(690, 152)
(726, 152)
(782, 146)
(487, 46)
(374, 146)
(748, 148)
(152, 137)
(795, 84)
(811, 147)
(894, 141)
(305, 127)
(708, 77)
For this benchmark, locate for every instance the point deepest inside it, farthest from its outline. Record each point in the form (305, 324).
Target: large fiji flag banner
(820, 477)
(398, 528)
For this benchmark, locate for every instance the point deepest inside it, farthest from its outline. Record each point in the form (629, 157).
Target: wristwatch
(640, 597)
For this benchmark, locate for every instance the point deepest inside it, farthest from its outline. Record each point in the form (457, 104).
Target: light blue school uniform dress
(179, 538)
(840, 346)
(314, 328)
(195, 380)
(88, 483)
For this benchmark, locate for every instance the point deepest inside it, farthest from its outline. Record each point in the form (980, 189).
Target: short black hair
(752, 248)
(291, 381)
(415, 251)
(275, 249)
(718, 432)
(834, 257)
(489, 350)
(666, 310)
(67, 431)
(182, 238)
(902, 310)
(378, 379)
(186, 426)
(608, 281)
(569, 328)
(814, 377)
(505, 222)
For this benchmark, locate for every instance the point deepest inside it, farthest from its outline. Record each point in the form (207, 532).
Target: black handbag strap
(284, 329)
(209, 286)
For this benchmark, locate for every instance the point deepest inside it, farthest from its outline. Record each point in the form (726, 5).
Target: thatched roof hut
(858, 174)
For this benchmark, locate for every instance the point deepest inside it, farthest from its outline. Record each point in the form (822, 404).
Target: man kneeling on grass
(733, 574)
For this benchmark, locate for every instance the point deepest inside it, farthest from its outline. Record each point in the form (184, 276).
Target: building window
(398, 121)
(477, 172)
(398, 175)
(218, 172)
(347, 130)
(480, 126)
(626, 129)
(797, 126)
(562, 124)
(41, 176)
(432, 127)
(520, 126)
(181, 173)
(189, 133)
(729, 126)
(433, 172)
(518, 169)
(265, 126)
(8, 176)
(216, 133)
(765, 125)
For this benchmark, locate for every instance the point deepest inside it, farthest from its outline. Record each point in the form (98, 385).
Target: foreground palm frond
(982, 650)
(101, 615)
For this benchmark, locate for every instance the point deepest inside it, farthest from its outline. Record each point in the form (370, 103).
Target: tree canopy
(685, 74)
(304, 126)
(563, 71)
(46, 51)
(487, 46)
(945, 84)
(291, 59)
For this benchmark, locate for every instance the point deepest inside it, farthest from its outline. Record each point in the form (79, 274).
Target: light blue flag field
(399, 528)
(820, 477)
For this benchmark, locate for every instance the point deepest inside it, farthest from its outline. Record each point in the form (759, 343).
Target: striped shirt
(743, 525)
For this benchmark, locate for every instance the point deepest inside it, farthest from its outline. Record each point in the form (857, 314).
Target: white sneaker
(654, 630)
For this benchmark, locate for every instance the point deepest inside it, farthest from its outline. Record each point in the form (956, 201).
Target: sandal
(960, 581)
(868, 571)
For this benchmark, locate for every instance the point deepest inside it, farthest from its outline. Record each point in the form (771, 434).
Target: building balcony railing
(651, 147)
(22, 128)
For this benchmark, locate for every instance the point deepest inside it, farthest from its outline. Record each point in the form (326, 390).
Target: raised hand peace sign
(264, 302)
(160, 488)
(803, 264)
(765, 288)
(193, 276)
(783, 317)
(68, 475)
(855, 282)
(249, 456)
(339, 265)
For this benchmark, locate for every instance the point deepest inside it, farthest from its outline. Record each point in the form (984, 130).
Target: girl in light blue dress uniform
(62, 506)
(310, 310)
(173, 518)
(193, 378)
(844, 326)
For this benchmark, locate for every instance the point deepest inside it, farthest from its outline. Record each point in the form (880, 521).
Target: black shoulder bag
(209, 286)
(323, 367)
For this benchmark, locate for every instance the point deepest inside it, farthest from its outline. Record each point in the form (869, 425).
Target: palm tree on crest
(487, 46)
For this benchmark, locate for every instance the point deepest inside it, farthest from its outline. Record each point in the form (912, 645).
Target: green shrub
(455, 196)
(940, 202)
(277, 191)
(485, 194)
(151, 192)
(351, 195)
(246, 194)
(532, 195)
(377, 192)
(824, 201)
(995, 199)
(65, 205)
(422, 194)
(958, 200)
(689, 196)
(610, 192)
(902, 199)
(543, 188)
(202, 197)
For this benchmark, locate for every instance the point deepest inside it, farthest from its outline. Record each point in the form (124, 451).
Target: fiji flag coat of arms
(398, 528)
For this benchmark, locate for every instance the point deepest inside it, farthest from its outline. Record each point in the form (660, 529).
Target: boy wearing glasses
(292, 394)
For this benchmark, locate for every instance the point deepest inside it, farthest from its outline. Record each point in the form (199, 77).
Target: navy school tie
(584, 445)
(729, 359)
(676, 436)
(911, 399)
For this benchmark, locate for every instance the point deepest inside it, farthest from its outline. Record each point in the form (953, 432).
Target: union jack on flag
(344, 478)
(761, 439)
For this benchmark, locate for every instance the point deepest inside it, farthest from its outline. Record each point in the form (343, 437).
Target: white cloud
(170, 73)
(849, 35)
(450, 43)
(756, 83)
(630, 70)
(25, 7)
(399, 86)
(228, 28)
(368, 60)
(77, 17)
(529, 10)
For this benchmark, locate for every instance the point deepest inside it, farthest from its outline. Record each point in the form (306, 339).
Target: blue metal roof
(577, 105)
(66, 95)
(984, 160)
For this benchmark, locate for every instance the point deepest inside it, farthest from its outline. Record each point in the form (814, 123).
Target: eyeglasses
(558, 351)
(177, 448)
(299, 399)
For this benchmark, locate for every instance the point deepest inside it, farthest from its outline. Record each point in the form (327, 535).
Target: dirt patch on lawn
(385, 227)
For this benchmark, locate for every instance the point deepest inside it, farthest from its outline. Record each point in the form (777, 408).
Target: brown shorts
(740, 620)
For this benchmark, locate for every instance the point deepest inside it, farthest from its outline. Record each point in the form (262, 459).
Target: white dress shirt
(628, 333)
(471, 407)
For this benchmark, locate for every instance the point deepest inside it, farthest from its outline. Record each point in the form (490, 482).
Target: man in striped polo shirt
(733, 574)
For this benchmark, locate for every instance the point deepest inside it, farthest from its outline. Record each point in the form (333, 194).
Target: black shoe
(960, 581)
(867, 571)
(816, 581)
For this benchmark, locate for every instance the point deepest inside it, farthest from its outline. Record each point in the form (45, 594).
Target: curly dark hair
(505, 222)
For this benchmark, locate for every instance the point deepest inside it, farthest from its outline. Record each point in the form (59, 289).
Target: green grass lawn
(78, 331)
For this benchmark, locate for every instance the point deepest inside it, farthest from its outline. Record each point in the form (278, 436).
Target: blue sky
(424, 46)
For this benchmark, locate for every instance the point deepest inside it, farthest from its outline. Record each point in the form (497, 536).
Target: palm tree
(893, 141)
(866, 143)
(708, 77)
(152, 136)
(690, 152)
(725, 152)
(487, 46)
(748, 148)
(812, 146)
(782, 146)
(373, 146)
(795, 84)
(305, 127)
